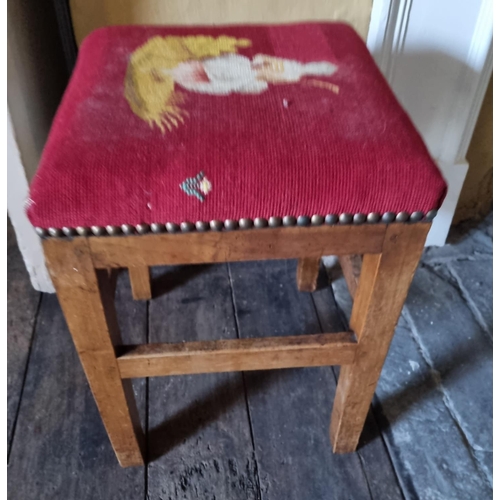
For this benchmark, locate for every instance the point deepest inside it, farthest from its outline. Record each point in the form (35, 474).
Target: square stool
(189, 145)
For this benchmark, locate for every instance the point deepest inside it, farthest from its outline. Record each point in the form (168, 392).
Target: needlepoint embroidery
(207, 65)
(198, 186)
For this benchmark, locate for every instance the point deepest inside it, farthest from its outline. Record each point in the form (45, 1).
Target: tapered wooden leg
(307, 273)
(382, 289)
(88, 306)
(140, 282)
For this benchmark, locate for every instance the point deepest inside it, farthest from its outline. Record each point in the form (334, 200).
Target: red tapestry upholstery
(197, 124)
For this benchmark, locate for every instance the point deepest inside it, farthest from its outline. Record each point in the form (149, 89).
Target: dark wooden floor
(258, 435)
(218, 436)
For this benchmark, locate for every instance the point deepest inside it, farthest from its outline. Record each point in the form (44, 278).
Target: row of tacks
(231, 225)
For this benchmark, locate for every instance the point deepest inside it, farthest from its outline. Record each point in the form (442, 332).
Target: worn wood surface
(60, 448)
(140, 282)
(307, 274)
(383, 285)
(22, 305)
(200, 441)
(372, 451)
(214, 356)
(88, 306)
(351, 267)
(290, 409)
(239, 245)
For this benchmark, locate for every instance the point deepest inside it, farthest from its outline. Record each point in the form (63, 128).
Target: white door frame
(437, 57)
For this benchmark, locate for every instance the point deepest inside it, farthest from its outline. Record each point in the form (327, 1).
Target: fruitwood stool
(219, 144)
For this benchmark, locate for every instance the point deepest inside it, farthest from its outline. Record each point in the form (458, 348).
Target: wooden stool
(205, 145)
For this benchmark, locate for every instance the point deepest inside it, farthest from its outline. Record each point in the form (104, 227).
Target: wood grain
(290, 409)
(351, 267)
(199, 428)
(383, 286)
(60, 449)
(376, 462)
(91, 319)
(200, 440)
(307, 273)
(140, 282)
(391, 271)
(230, 246)
(22, 305)
(153, 360)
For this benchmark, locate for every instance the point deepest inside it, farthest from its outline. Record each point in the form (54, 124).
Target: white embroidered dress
(234, 73)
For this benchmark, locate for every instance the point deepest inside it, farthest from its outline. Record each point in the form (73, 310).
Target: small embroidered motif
(198, 186)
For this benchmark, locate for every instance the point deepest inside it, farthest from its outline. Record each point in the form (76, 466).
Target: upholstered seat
(247, 125)
(217, 129)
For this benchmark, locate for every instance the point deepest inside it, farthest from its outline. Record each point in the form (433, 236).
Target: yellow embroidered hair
(151, 93)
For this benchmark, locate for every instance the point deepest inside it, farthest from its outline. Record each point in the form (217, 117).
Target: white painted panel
(17, 193)
(437, 57)
(431, 73)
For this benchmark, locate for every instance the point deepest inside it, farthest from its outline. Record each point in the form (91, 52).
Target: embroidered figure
(206, 65)
(198, 186)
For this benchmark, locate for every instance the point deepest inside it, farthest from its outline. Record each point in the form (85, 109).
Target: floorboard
(290, 409)
(200, 445)
(22, 305)
(263, 435)
(372, 450)
(60, 448)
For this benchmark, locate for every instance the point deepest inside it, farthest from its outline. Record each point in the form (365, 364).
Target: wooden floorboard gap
(25, 374)
(244, 381)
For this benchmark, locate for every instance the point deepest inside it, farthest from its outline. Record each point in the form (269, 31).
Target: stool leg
(140, 282)
(88, 306)
(307, 273)
(382, 289)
